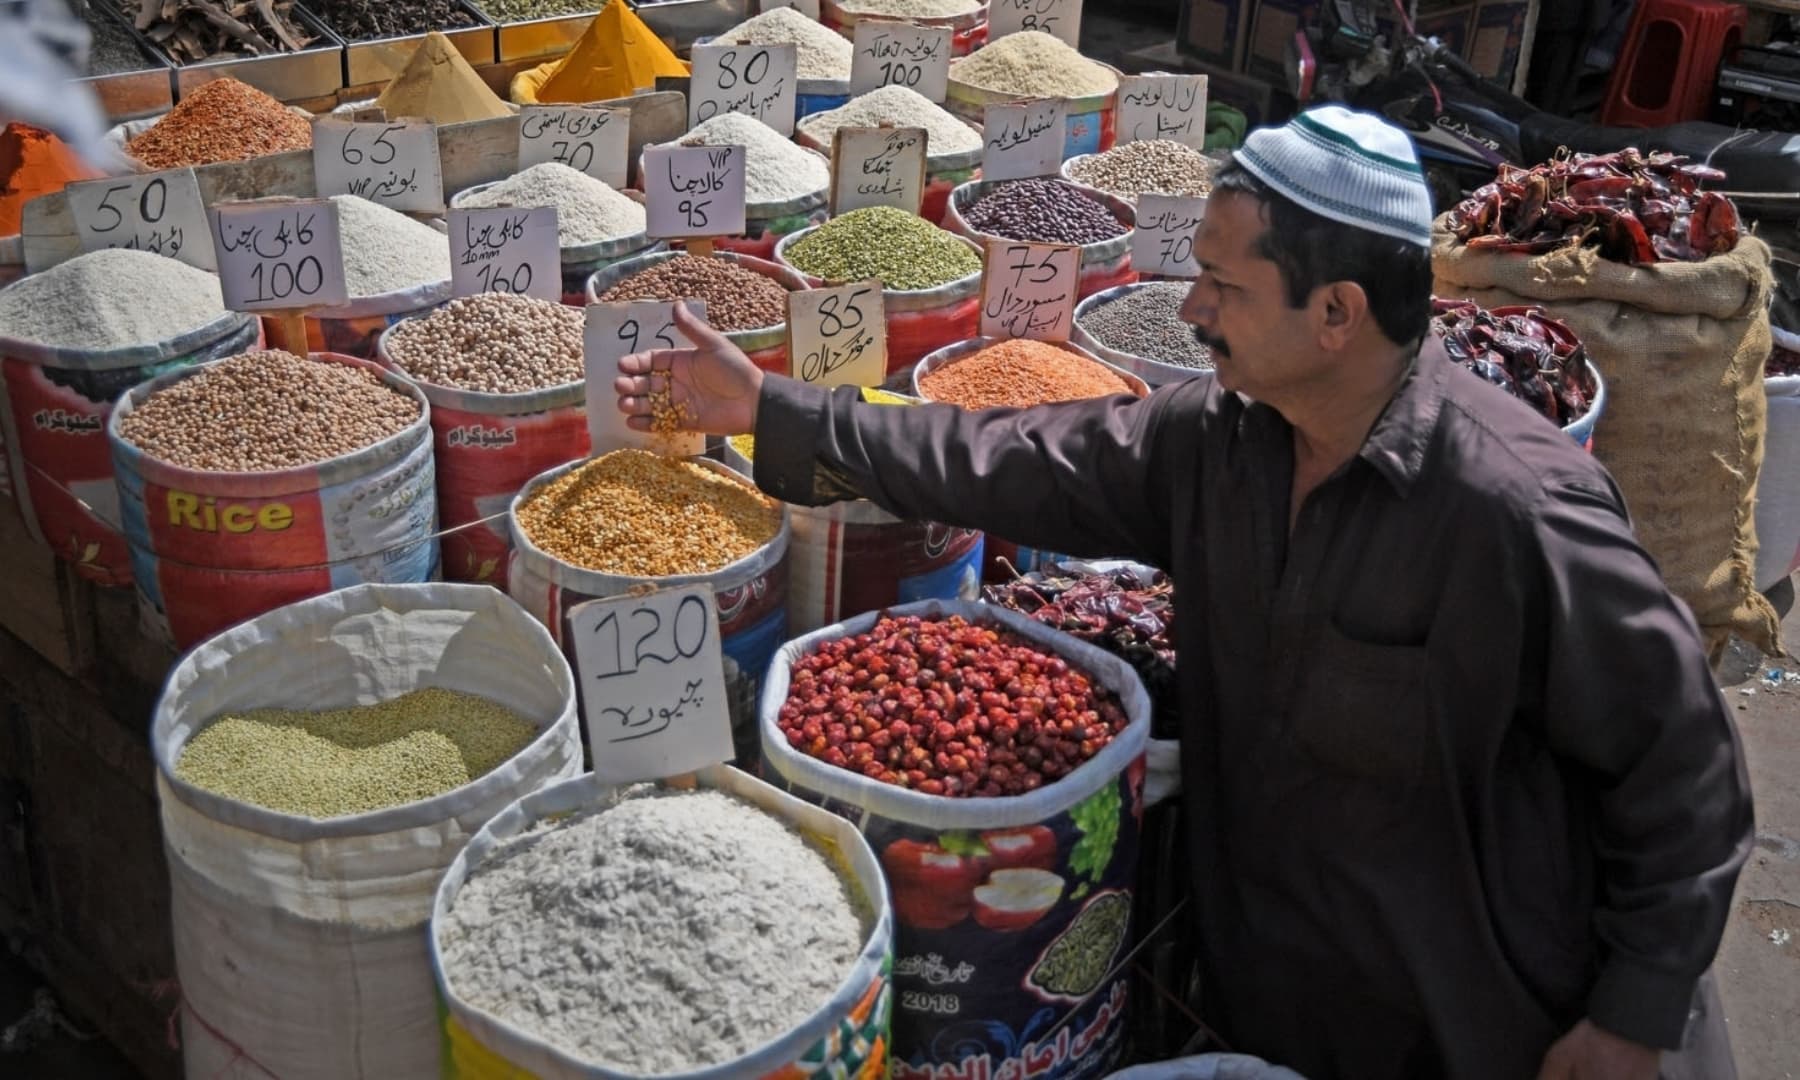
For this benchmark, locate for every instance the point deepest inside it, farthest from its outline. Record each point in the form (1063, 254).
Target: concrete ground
(1759, 961)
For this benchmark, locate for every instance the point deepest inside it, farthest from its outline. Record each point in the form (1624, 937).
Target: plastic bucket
(976, 991)
(765, 346)
(919, 321)
(751, 595)
(968, 31)
(1089, 125)
(1001, 552)
(1154, 372)
(211, 549)
(54, 405)
(486, 447)
(1105, 265)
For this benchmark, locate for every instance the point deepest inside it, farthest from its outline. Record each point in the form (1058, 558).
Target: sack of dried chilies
(1670, 297)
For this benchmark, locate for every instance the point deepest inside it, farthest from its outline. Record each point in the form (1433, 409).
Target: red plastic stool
(1669, 61)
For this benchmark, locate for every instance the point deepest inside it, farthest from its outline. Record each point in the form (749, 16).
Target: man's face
(1239, 308)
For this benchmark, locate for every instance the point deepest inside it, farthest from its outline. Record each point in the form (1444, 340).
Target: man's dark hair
(1311, 251)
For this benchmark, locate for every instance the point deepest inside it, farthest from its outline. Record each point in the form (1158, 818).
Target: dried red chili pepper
(1635, 208)
(1521, 350)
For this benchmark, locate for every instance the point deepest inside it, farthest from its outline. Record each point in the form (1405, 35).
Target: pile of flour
(673, 931)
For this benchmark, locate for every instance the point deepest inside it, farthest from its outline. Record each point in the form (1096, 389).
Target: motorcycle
(1466, 125)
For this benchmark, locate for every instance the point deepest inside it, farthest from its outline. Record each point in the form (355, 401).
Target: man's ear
(1342, 310)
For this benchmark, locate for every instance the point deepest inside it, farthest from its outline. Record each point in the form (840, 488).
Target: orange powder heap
(1020, 374)
(33, 162)
(224, 120)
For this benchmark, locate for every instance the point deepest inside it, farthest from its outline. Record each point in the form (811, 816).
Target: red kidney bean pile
(1043, 212)
(947, 707)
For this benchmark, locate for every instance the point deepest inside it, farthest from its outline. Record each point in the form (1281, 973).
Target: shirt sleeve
(1631, 703)
(1085, 478)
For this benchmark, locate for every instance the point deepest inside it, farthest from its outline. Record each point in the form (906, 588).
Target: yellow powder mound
(438, 84)
(617, 57)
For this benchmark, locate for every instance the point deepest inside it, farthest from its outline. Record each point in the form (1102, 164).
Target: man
(1463, 798)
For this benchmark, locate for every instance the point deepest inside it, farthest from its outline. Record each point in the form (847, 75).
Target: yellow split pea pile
(640, 514)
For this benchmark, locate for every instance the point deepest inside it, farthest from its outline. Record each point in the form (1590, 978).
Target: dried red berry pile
(947, 707)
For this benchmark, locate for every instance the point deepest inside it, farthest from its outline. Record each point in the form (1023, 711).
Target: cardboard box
(1213, 31)
(1497, 38)
(1276, 23)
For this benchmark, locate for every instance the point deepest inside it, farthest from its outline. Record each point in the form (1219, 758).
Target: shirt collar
(1396, 445)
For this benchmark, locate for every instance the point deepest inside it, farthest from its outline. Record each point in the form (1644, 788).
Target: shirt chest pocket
(1363, 711)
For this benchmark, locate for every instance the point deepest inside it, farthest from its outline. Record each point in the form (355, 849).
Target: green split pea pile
(905, 252)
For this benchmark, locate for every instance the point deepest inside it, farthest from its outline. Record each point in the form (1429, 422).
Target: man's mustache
(1216, 344)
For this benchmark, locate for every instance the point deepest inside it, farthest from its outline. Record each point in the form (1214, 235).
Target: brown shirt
(1456, 773)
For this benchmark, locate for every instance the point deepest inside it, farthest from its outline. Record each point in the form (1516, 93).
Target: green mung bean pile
(903, 251)
(354, 760)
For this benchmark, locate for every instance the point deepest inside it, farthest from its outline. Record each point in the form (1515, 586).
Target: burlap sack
(1682, 347)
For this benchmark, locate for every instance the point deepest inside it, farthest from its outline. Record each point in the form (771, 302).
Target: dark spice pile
(1043, 212)
(1531, 356)
(1782, 363)
(1128, 611)
(195, 30)
(224, 120)
(362, 20)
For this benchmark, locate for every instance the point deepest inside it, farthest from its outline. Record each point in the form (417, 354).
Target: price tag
(509, 250)
(1028, 290)
(1163, 242)
(590, 140)
(756, 80)
(652, 683)
(838, 337)
(900, 54)
(694, 191)
(877, 167)
(1059, 18)
(393, 163)
(1022, 141)
(613, 332)
(279, 254)
(1163, 106)
(808, 8)
(158, 212)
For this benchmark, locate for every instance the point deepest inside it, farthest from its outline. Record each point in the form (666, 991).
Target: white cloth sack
(1778, 489)
(301, 944)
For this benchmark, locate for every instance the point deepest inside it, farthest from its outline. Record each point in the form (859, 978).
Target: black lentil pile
(361, 20)
(1147, 322)
(1043, 212)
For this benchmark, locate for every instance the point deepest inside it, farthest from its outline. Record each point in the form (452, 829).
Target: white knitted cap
(1352, 167)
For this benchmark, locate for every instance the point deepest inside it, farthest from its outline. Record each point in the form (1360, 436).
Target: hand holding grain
(712, 386)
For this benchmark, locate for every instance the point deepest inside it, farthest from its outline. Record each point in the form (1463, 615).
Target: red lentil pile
(224, 120)
(947, 707)
(1020, 374)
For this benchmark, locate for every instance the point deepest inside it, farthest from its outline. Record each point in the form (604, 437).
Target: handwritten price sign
(1028, 290)
(756, 80)
(1164, 240)
(1022, 141)
(506, 250)
(1163, 106)
(590, 140)
(158, 212)
(613, 332)
(694, 191)
(877, 167)
(899, 54)
(838, 337)
(653, 683)
(279, 254)
(1058, 18)
(394, 164)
